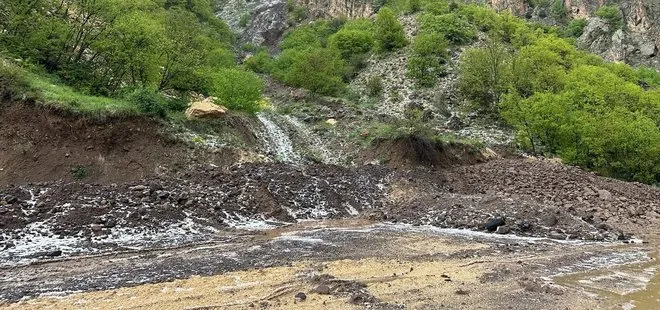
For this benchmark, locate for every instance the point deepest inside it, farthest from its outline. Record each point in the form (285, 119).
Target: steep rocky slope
(637, 43)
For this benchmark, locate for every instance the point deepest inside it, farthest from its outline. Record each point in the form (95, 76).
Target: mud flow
(347, 264)
(159, 224)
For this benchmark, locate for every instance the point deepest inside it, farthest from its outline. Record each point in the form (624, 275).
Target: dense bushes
(351, 43)
(235, 89)
(317, 69)
(323, 55)
(455, 29)
(148, 101)
(260, 62)
(111, 47)
(388, 32)
(565, 102)
(429, 53)
(575, 28)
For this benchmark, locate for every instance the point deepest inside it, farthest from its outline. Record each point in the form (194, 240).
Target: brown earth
(411, 151)
(40, 144)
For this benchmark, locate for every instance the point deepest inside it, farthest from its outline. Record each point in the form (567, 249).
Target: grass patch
(54, 94)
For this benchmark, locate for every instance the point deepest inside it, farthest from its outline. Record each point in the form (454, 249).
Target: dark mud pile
(526, 197)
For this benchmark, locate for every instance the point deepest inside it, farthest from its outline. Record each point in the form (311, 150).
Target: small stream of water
(313, 139)
(279, 141)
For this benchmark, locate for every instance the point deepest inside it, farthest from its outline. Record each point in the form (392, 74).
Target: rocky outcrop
(636, 43)
(338, 8)
(262, 22)
(517, 7)
(257, 22)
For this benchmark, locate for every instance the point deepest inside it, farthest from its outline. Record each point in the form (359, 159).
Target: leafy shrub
(79, 172)
(414, 6)
(374, 86)
(514, 31)
(612, 15)
(244, 20)
(300, 38)
(648, 76)
(177, 104)
(351, 42)
(429, 53)
(148, 101)
(484, 18)
(558, 9)
(575, 28)
(455, 29)
(317, 69)
(388, 32)
(437, 7)
(235, 89)
(310, 35)
(296, 13)
(259, 62)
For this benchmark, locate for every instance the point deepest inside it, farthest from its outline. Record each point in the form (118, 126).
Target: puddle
(632, 286)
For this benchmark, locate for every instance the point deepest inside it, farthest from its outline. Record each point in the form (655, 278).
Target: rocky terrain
(296, 208)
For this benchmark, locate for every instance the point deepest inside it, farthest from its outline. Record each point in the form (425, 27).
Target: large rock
(647, 49)
(596, 36)
(266, 19)
(205, 109)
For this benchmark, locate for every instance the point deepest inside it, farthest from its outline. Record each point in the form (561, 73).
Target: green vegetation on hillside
(109, 48)
(562, 101)
(324, 55)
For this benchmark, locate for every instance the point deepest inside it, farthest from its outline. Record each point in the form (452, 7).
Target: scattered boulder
(493, 223)
(300, 296)
(539, 285)
(503, 230)
(524, 225)
(54, 253)
(550, 220)
(205, 109)
(604, 194)
(322, 290)
(648, 49)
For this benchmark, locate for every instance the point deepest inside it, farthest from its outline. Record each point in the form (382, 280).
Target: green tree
(429, 54)
(351, 43)
(318, 69)
(236, 89)
(575, 27)
(455, 29)
(414, 6)
(388, 32)
(259, 62)
(484, 75)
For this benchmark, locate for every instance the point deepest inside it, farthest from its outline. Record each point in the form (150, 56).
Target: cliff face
(338, 8)
(638, 42)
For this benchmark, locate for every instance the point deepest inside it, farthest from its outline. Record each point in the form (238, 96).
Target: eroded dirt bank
(41, 144)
